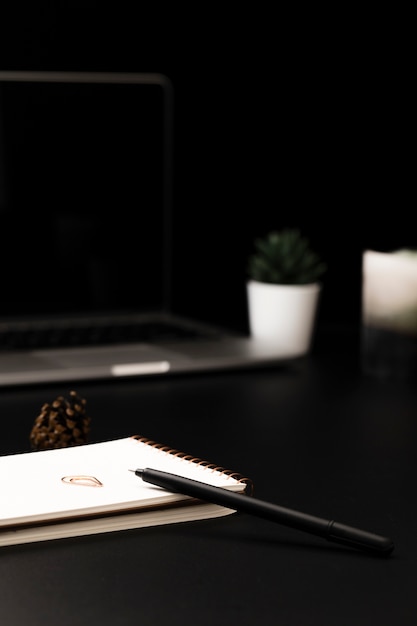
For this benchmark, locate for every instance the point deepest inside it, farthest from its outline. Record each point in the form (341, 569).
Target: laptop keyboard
(23, 337)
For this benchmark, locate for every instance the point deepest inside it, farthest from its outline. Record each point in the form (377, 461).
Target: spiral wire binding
(193, 459)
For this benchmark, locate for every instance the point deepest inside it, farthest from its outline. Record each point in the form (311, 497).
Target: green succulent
(285, 257)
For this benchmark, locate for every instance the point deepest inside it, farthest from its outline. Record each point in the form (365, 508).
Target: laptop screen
(85, 191)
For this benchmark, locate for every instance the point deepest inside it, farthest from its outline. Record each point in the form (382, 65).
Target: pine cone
(61, 424)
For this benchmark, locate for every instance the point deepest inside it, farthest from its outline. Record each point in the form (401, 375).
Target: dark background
(282, 118)
(324, 439)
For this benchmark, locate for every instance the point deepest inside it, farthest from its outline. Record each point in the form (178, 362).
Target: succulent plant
(285, 257)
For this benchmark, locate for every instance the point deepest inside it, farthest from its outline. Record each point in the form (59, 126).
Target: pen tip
(138, 472)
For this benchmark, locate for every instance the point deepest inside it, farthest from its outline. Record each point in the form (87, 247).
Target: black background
(282, 118)
(320, 438)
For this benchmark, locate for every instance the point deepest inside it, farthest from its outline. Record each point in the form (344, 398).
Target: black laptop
(86, 179)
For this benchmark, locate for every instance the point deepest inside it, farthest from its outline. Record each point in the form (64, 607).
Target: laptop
(86, 209)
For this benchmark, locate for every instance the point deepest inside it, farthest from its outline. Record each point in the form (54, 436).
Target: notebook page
(32, 489)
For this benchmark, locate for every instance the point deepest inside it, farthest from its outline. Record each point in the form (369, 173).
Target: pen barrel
(328, 529)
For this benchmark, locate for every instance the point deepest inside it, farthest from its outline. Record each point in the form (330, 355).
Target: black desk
(318, 436)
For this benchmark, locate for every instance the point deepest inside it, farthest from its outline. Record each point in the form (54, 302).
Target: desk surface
(317, 436)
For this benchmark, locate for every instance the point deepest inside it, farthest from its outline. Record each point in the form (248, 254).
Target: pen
(328, 529)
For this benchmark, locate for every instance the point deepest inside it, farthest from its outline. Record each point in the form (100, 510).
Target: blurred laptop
(86, 248)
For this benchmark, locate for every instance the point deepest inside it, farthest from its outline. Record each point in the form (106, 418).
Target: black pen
(328, 529)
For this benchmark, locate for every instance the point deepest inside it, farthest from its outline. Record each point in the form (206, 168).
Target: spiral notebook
(88, 489)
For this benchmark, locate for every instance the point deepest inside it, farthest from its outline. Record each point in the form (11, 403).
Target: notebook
(86, 208)
(74, 491)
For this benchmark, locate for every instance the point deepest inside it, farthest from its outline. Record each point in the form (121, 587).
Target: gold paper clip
(86, 481)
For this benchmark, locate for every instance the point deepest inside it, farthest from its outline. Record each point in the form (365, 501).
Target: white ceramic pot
(284, 314)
